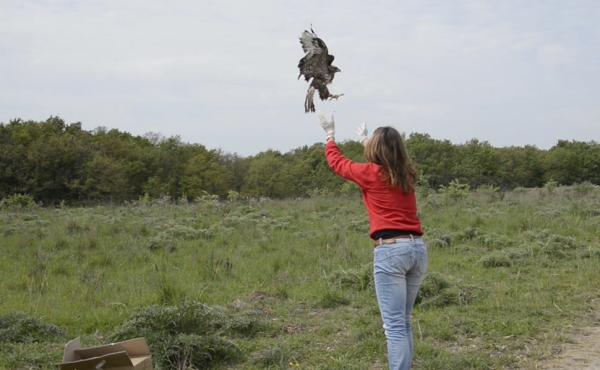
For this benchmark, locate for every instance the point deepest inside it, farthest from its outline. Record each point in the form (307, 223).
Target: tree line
(54, 161)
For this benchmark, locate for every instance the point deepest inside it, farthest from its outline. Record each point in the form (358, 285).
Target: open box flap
(69, 354)
(107, 361)
(134, 348)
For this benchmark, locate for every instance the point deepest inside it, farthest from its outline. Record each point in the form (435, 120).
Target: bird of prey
(317, 69)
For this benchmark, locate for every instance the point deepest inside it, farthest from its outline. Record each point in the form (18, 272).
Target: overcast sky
(223, 73)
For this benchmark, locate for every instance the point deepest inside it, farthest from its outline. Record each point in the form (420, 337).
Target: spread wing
(317, 68)
(311, 44)
(314, 63)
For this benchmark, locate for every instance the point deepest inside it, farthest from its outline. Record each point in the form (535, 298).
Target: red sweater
(389, 208)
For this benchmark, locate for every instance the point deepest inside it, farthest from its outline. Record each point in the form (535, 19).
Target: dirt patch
(583, 353)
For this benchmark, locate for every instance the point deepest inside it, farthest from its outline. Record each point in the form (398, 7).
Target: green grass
(291, 282)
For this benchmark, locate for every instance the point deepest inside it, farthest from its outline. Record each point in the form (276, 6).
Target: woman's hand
(328, 126)
(362, 133)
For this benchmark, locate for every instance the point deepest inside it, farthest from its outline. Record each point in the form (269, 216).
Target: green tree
(203, 173)
(570, 162)
(105, 179)
(477, 163)
(520, 166)
(436, 159)
(267, 175)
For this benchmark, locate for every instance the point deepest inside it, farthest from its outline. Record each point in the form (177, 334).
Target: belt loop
(412, 239)
(380, 241)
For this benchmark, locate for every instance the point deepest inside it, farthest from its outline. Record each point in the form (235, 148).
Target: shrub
(490, 192)
(439, 242)
(518, 255)
(18, 201)
(358, 279)
(182, 232)
(162, 241)
(467, 234)
(17, 327)
(207, 199)
(437, 291)
(247, 324)
(584, 188)
(30, 356)
(494, 241)
(446, 297)
(188, 318)
(190, 351)
(439, 238)
(233, 196)
(432, 286)
(496, 259)
(332, 300)
(558, 246)
(549, 187)
(455, 191)
(191, 334)
(554, 245)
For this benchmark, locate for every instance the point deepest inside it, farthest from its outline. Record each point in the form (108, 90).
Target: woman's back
(389, 207)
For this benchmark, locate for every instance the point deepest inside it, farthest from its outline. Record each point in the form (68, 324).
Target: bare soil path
(582, 352)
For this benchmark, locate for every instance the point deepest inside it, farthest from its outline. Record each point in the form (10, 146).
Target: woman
(387, 182)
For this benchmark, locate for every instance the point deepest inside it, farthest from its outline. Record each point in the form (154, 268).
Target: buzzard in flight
(317, 69)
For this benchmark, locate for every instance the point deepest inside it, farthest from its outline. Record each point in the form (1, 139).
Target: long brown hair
(386, 148)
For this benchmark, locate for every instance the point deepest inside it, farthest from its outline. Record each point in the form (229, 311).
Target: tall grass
(510, 274)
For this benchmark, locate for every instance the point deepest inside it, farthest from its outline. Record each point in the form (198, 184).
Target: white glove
(362, 133)
(328, 126)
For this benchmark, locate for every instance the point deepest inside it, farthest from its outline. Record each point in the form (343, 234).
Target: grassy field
(287, 284)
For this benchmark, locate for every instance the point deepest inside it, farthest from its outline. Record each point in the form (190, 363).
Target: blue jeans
(399, 270)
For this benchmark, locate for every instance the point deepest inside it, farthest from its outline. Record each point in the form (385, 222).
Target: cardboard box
(126, 355)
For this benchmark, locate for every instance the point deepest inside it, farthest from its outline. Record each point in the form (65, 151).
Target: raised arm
(359, 173)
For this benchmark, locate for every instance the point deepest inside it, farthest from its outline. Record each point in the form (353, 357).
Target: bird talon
(335, 97)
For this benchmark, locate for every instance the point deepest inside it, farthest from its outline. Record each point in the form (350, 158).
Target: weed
(168, 291)
(276, 357)
(217, 266)
(74, 227)
(38, 274)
